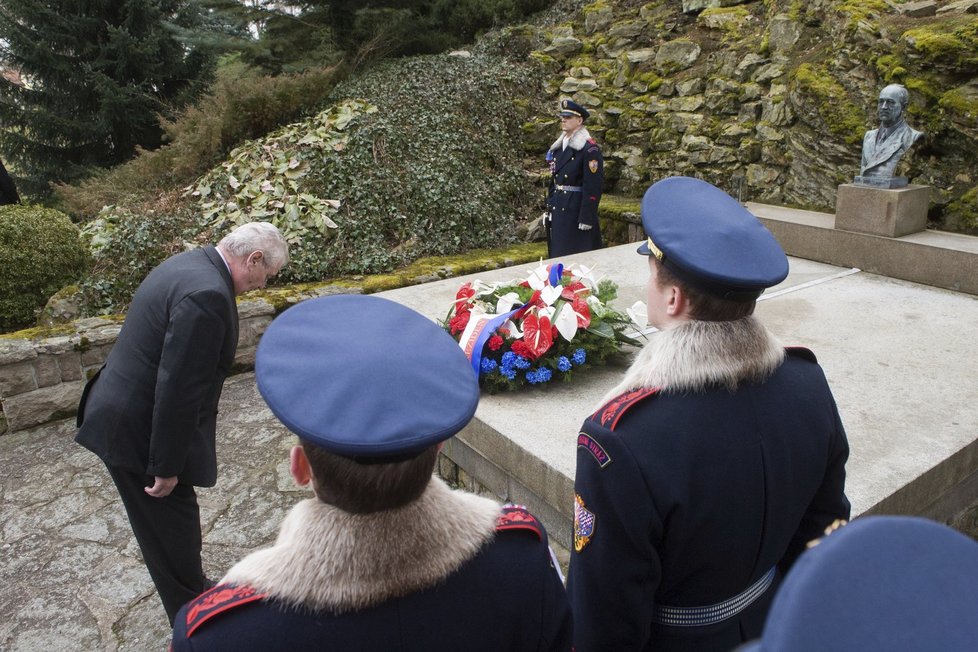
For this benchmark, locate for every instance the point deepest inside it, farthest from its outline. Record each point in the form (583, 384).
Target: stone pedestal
(891, 213)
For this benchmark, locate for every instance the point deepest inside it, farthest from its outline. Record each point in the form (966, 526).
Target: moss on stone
(39, 332)
(595, 6)
(946, 43)
(962, 102)
(861, 11)
(617, 206)
(890, 68)
(842, 117)
(651, 79)
(964, 209)
(420, 271)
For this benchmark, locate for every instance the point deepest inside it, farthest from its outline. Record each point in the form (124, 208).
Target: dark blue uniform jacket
(581, 168)
(687, 499)
(507, 597)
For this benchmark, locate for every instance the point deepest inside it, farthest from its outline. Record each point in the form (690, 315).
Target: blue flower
(580, 355)
(509, 359)
(488, 365)
(508, 372)
(563, 364)
(521, 362)
(540, 375)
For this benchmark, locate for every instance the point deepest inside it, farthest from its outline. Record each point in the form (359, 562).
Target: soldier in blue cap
(385, 556)
(577, 175)
(879, 584)
(719, 455)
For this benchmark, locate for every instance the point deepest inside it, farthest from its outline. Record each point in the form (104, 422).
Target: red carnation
(519, 347)
(494, 343)
(458, 323)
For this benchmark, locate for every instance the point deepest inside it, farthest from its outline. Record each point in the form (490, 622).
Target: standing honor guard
(715, 460)
(384, 556)
(577, 170)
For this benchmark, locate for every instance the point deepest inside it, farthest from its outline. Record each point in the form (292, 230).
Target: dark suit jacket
(690, 498)
(153, 407)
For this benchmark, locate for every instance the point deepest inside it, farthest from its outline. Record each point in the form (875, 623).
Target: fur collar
(699, 355)
(577, 141)
(330, 560)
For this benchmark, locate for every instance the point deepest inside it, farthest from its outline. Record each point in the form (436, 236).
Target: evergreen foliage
(318, 31)
(241, 105)
(41, 253)
(97, 76)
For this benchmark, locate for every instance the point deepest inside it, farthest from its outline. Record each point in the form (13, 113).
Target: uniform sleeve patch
(596, 450)
(583, 524)
(609, 414)
(801, 352)
(217, 600)
(516, 517)
(593, 166)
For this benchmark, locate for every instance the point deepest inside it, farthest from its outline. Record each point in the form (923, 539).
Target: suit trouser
(168, 533)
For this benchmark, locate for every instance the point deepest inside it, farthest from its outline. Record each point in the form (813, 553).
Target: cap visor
(644, 249)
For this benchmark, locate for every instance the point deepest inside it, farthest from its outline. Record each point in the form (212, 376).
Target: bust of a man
(884, 147)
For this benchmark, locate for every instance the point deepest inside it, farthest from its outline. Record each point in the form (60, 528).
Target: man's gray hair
(257, 236)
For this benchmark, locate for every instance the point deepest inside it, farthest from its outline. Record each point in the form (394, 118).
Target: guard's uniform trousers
(573, 196)
(691, 505)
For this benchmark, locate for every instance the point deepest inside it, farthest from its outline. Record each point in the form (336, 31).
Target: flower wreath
(545, 327)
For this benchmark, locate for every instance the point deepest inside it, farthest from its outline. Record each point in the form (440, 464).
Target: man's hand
(161, 487)
(584, 227)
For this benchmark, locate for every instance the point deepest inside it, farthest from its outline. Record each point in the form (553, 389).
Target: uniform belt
(570, 188)
(714, 613)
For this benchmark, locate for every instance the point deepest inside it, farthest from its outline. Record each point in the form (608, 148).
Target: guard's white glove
(584, 227)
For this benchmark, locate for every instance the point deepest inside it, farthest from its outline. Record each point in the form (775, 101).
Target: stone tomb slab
(899, 356)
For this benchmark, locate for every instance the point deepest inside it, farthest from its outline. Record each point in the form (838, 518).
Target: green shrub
(242, 105)
(436, 169)
(125, 246)
(41, 253)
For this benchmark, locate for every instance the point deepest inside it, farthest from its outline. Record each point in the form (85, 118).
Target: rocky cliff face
(769, 99)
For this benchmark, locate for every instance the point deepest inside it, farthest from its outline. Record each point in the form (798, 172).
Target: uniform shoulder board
(608, 414)
(217, 600)
(516, 517)
(592, 141)
(801, 352)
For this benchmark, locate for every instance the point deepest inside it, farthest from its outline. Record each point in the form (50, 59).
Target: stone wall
(41, 379)
(768, 99)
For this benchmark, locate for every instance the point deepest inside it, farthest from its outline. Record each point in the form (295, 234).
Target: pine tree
(97, 76)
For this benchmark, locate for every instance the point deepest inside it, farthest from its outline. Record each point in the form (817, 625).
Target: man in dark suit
(384, 556)
(577, 170)
(150, 413)
(717, 457)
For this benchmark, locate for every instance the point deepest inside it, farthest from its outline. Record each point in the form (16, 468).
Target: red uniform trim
(514, 517)
(801, 352)
(216, 601)
(608, 415)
